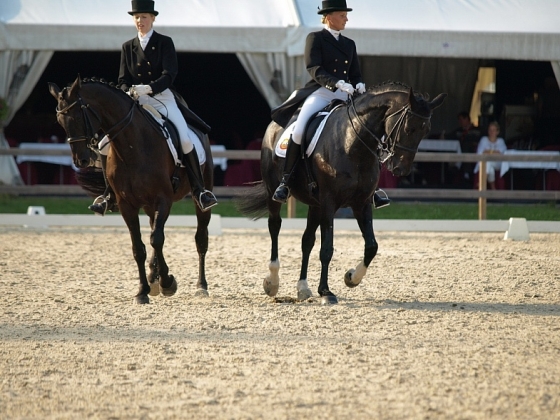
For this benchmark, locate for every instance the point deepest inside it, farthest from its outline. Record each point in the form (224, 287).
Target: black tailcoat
(327, 60)
(156, 66)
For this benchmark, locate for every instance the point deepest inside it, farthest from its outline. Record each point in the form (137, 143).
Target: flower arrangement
(4, 109)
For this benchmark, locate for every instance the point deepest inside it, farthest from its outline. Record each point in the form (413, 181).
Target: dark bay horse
(139, 169)
(387, 121)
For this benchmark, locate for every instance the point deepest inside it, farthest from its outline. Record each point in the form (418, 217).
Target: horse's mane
(104, 83)
(392, 86)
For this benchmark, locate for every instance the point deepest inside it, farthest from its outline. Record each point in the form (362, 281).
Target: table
(65, 160)
(506, 166)
(62, 160)
(437, 145)
(222, 161)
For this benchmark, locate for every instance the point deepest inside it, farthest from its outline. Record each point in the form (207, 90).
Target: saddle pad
(282, 144)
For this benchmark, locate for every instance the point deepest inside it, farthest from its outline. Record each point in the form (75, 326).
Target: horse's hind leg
(201, 240)
(271, 282)
(153, 276)
(307, 244)
(353, 277)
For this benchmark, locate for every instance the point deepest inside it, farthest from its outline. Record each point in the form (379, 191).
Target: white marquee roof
(507, 29)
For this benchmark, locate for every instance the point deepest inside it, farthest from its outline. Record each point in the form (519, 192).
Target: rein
(384, 145)
(89, 134)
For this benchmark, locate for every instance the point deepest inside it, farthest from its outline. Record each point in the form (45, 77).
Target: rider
(148, 68)
(332, 61)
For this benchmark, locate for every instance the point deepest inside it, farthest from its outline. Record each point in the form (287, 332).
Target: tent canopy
(494, 29)
(504, 29)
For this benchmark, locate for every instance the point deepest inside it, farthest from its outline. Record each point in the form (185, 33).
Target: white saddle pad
(282, 144)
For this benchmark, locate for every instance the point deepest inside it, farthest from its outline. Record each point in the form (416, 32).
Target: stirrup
(281, 194)
(99, 206)
(211, 200)
(378, 201)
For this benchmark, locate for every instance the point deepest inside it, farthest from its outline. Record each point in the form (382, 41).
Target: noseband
(389, 143)
(90, 135)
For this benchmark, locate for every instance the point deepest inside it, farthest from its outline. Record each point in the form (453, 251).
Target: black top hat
(333, 6)
(143, 6)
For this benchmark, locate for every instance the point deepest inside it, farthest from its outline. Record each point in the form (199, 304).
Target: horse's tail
(92, 181)
(253, 203)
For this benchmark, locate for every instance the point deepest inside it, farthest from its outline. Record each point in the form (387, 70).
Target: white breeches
(165, 103)
(314, 103)
(491, 168)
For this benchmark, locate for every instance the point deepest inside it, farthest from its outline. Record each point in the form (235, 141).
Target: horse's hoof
(141, 299)
(270, 288)
(303, 291)
(154, 288)
(349, 280)
(201, 293)
(304, 294)
(329, 299)
(171, 290)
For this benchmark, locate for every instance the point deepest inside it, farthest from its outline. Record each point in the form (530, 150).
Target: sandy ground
(444, 326)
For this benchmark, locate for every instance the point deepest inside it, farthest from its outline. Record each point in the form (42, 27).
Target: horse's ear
(75, 86)
(411, 98)
(438, 100)
(54, 90)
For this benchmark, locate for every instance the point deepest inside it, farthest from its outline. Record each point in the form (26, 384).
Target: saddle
(311, 134)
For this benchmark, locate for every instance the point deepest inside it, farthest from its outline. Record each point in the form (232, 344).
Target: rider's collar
(334, 33)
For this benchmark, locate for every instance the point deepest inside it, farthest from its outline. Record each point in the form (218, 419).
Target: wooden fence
(482, 194)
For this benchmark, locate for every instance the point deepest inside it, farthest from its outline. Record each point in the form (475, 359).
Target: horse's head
(73, 115)
(405, 126)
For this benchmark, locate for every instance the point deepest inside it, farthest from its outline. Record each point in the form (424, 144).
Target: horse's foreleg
(307, 244)
(130, 216)
(201, 240)
(325, 255)
(271, 282)
(167, 283)
(353, 277)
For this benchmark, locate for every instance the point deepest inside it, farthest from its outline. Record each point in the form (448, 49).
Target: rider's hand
(140, 90)
(361, 88)
(345, 87)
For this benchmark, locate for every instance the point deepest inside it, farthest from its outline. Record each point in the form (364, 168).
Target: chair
(500, 182)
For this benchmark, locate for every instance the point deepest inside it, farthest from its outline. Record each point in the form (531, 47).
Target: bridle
(89, 134)
(387, 144)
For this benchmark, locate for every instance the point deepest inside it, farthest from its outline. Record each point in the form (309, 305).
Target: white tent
(433, 45)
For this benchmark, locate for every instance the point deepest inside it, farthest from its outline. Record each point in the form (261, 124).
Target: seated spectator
(468, 135)
(491, 144)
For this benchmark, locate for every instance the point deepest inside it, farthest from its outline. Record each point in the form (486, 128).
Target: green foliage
(397, 210)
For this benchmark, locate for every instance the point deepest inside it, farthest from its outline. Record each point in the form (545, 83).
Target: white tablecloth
(55, 160)
(506, 166)
(221, 161)
(67, 160)
(435, 145)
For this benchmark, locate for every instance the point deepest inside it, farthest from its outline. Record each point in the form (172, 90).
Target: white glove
(345, 87)
(140, 90)
(361, 88)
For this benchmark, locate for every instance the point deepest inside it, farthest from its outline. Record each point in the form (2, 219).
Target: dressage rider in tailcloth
(332, 61)
(147, 71)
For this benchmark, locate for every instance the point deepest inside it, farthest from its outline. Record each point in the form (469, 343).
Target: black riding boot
(105, 202)
(203, 198)
(293, 154)
(379, 201)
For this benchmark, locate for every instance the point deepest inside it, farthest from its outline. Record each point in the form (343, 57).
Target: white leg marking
(272, 281)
